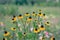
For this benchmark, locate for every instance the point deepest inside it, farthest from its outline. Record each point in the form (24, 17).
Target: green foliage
(8, 10)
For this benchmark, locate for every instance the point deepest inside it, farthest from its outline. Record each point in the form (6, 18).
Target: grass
(7, 11)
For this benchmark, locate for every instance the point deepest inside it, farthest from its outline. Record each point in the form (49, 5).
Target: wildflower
(47, 23)
(24, 33)
(44, 16)
(4, 39)
(14, 18)
(52, 38)
(30, 18)
(13, 29)
(36, 30)
(6, 33)
(46, 34)
(27, 14)
(20, 16)
(40, 14)
(42, 28)
(33, 13)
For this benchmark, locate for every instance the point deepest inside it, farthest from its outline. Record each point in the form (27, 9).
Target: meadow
(6, 15)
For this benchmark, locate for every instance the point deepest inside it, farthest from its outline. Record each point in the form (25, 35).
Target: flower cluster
(30, 24)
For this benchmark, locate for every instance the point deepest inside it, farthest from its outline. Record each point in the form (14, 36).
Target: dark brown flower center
(42, 26)
(14, 16)
(47, 22)
(24, 33)
(13, 19)
(5, 32)
(30, 17)
(27, 13)
(33, 12)
(20, 15)
(14, 28)
(3, 38)
(43, 14)
(36, 29)
(39, 13)
(53, 38)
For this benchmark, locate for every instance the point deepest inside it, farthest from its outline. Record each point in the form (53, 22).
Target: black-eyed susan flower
(33, 14)
(20, 16)
(6, 33)
(40, 14)
(36, 30)
(30, 18)
(27, 14)
(42, 28)
(24, 34)
(44, 16)
(14, 18)
(4, 38)
(52, 38)
(47, 23)
(13, 29)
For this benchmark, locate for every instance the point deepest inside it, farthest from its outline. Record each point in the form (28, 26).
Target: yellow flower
(42, 28)
(40, 14)
(52, 38)
(6, 33)
(20, 16)
(33, 14)
(44, 16)
(36, 30)
(30, 18)
(47, 23)
(14, 19)
(13, 29)
(27, 14)
(24, 33)
(4, 39)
